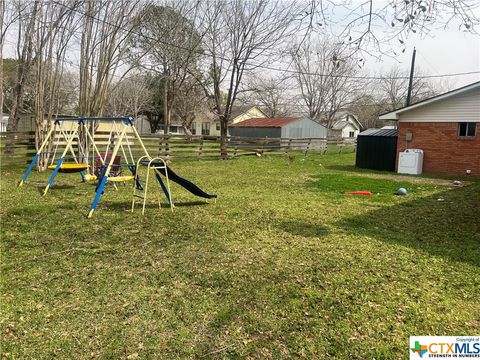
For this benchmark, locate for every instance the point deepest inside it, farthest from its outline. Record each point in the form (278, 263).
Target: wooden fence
(18, 148)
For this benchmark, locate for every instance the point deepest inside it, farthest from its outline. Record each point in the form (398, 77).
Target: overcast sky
(441, 52)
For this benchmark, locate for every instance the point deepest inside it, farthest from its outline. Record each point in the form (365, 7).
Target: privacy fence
(18, 148)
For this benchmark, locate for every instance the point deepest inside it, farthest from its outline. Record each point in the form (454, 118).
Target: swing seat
(120, 178)
(70, 167)
(89, 177)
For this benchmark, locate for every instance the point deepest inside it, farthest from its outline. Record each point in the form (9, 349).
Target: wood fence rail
(18, 148)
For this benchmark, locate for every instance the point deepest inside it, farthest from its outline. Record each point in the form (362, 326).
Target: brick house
(446, 127)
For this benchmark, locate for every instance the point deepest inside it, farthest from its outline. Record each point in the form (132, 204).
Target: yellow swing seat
(120, 178)
(69, 167)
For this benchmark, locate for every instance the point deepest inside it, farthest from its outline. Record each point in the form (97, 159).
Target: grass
(284, 265)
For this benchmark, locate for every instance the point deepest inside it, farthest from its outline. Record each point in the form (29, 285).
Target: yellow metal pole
(47, 138)
(137, 135)
(115, 150)
(37, 155)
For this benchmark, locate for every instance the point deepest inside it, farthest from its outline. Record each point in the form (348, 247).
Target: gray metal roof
(340, 124)
(379, 132)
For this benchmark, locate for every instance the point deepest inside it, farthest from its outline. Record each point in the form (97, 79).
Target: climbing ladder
(156, 164)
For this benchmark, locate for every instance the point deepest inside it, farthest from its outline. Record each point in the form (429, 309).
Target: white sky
(441, 52)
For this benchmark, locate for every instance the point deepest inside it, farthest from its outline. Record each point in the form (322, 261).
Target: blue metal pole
(52, 177)
(29, 170)
(164, 188)
(98, 195)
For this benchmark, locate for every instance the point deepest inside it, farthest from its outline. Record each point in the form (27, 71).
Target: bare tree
(388, 92)
(190, 102)
(168, 45)
(393, 87)
(367, 107)
(270, 93)
(27, 17)
(131, 96)
(325, 77)
(4, 25)
(368, 27)
(107, 26)
(54, 29)
(239, 36)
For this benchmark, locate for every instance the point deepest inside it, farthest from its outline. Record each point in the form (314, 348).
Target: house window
(193, 128)
(467, 129)
(351, 134)
(217, 126)
(205, 128)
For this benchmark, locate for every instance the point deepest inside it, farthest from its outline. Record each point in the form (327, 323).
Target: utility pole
(410, 83)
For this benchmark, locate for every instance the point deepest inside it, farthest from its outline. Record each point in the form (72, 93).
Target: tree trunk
(223, 139)
(166, 120)
(24, 67)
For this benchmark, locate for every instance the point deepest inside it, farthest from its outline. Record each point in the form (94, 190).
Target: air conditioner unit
(410, 161)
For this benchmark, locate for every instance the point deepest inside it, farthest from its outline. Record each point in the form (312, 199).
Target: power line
(262, 66)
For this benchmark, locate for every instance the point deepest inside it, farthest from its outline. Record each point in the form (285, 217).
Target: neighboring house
(446, 127)
(206, 123)
(286, 127)
(241, 113)
(346, 126)
(175, 129)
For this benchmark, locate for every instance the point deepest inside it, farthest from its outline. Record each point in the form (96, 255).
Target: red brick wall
(444, 151)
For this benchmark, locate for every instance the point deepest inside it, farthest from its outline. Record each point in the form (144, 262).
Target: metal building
(287, 127)
(377, 149)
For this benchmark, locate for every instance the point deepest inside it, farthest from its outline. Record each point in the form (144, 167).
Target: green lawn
(284, 265)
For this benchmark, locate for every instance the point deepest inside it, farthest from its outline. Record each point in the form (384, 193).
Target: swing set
(104, 167)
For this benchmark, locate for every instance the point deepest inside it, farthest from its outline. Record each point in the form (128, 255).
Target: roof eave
(429, 101)
(390, 116)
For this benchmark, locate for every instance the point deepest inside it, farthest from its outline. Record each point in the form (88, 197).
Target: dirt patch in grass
(411, 179)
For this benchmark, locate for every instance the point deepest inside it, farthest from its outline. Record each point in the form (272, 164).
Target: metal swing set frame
(107, 160)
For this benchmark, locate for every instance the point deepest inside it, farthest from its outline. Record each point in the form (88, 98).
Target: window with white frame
(467, 129)
(193, 128)
(351, 134)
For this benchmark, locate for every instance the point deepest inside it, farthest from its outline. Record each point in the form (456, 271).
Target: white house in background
(346, 126)
(3, 123)
(206, 123)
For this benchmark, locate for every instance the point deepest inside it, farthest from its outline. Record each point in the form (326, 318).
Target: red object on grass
(365, 193)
